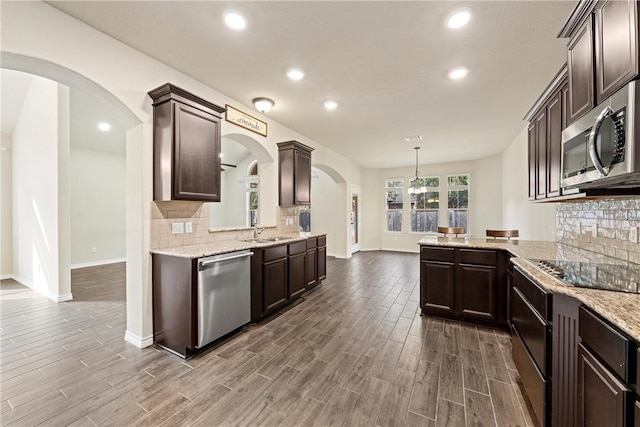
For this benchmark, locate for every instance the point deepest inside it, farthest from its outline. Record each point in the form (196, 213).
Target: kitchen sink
(268, 239)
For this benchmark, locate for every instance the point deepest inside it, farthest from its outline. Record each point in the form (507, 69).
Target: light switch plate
(594, 230)
(633, 234)
(177, 227)
(289, 221)
(188, 227)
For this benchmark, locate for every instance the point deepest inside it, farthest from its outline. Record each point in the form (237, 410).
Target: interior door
(355, 219)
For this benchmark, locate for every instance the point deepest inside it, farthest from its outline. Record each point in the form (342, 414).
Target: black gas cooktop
(610, 277)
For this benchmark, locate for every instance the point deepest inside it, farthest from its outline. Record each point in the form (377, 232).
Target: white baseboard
(6, 276)
(97, 263)
(137, 340)
(53, 297)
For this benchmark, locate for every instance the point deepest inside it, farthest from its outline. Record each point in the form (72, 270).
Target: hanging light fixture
(416, 187)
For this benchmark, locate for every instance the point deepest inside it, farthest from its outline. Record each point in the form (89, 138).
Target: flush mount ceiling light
(263, 104)
(459, 19)
(412, 138)
(417, 186)
(104, 126)
(235, 20)
(330, 105)
(458, 73)
(295, 74)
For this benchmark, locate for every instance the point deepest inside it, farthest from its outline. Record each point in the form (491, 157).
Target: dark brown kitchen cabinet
(312, 263)
(464, 284)
(294, 172)
(175, 304)
(322, 259)
(580, 68)
(275, 284)
(603, 400)
(602, 53)
(616, 46)
(545, 142)
(297, 268)
(186, 146)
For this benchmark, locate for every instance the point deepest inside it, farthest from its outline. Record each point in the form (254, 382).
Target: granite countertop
(217, 248)
(621, 309)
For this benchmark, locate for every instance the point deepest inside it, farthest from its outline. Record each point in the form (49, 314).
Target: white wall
(325, 197)
(6, 234)
(536, 221)
(485, 209)
(98, 185)
(38, 145)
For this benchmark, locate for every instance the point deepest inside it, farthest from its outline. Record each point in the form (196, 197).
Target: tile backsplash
(163, 214)
(608, 227)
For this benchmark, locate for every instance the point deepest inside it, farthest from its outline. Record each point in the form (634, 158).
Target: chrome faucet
(257, 230)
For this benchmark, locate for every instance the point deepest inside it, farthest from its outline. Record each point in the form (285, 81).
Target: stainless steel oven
(602, 148)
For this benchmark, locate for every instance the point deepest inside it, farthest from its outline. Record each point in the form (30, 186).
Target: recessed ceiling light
(459, 19)
(221, 155)
(458, 73)
(411, 138)
(235, 20)
(295, 74)
(330, 105)
(104, 126)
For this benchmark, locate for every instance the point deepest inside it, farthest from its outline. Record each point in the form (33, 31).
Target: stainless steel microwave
(602, 148)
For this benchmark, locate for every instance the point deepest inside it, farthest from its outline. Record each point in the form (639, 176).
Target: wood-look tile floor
(354, 352)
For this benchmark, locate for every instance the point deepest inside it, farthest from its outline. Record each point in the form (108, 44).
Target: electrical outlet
(188, 227)
(633, 234)
(594, 230)
(94, 250)
(177, 227)
(289, 220)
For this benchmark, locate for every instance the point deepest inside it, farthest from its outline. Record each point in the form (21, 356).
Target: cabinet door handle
(593, 152)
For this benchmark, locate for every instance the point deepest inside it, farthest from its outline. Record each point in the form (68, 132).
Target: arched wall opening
(138, 299)
(329, 207)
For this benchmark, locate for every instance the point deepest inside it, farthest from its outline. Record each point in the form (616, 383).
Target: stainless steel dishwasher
(224, 294)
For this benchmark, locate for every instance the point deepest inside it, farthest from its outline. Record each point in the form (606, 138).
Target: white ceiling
(385, 63)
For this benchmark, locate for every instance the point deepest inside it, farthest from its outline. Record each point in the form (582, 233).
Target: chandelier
(417, 186)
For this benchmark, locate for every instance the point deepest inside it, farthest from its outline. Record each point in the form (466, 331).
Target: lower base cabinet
(280, 274)
(464, 284)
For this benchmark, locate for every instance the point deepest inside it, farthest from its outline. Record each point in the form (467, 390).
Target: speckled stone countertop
(621, 309)
(217, 248)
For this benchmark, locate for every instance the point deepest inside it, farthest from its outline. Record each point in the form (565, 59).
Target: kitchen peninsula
(585, 338)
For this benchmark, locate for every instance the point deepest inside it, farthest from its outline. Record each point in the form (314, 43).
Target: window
(394, 201)
(424, 206)
(252, 194)
(458, 200)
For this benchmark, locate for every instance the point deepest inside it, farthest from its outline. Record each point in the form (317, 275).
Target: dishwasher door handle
(204, 264)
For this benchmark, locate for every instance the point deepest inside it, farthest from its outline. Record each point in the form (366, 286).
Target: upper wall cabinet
(546, 122)
(294, 173)
(602, 53)
(186, 146)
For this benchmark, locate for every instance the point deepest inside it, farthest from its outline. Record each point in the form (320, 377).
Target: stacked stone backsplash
(608, 227)
(163, 214)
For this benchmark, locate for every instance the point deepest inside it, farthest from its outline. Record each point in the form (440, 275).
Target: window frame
(458, 188)
(437, 210)
(386, 206)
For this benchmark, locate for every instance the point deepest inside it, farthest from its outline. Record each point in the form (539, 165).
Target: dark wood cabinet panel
(553, 168)
(603, 400)
(321, 264)
(533, 168)
(636, 411)
(475, 291)
(580, 65)
(534, 385)
(294, 172)
(174, 303)
(541, 154)
(533, 329)
(311, 269)
(186, 139)
(437, 290)
(564, 361)
(616, 46)
(275, 284)
(297, 274)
